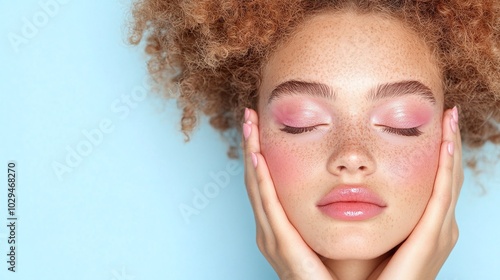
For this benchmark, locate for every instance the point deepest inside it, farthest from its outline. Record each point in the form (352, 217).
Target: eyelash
(414, 131)
(297, 130)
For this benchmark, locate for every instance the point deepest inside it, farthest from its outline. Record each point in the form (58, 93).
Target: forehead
(352, 52)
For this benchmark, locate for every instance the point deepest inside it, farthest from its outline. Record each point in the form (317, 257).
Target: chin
(349, 253)
(353, 244)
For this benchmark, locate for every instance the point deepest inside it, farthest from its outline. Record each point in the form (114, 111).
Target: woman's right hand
(277, 239)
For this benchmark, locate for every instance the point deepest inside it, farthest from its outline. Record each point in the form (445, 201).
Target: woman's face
(350, 114)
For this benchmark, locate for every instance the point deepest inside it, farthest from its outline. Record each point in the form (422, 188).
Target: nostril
(343, 168)
(351, 162)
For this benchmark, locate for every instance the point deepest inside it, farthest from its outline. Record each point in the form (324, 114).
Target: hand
(277, 239)
(424, 252)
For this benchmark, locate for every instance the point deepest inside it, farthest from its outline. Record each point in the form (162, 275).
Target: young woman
(351, 113)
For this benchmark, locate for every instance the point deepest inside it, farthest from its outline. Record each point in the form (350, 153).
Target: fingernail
(247, 114)
(454, 112)
(451, 148)
(247, 129)
(254, 160)
(453, 125)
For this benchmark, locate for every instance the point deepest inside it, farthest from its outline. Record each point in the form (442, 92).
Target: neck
(357, 269)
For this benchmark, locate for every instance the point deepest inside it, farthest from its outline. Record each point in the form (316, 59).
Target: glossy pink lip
(351, 203)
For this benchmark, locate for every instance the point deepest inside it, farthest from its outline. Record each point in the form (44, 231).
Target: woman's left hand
(424, 252)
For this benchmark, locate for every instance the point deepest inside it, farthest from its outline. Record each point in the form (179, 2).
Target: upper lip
(351, 193)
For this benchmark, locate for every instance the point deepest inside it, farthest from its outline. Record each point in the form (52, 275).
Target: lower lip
(351, 211)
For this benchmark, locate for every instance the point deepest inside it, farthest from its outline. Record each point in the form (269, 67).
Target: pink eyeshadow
(403, 115)
(299, 113)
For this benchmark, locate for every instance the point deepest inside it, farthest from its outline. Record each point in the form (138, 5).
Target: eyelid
(296, 116)
(402, 114)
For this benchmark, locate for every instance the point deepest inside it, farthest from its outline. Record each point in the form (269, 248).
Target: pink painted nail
(453, 125)
(254, 160)
(247, 129)
(451, 148)
(454, 112)
(247, 114)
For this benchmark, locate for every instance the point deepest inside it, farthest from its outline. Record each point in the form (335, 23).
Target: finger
(458, 172)
(457, 175)
(441, 197)
(250, 182)
(450, 228)
(252, 146)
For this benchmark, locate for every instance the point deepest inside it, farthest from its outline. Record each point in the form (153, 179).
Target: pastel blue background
(115, 214)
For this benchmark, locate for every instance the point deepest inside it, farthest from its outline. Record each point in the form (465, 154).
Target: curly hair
(211, 52)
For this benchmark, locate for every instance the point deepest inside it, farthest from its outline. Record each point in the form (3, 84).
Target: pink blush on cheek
(415, 164)
(281, 164)
(285, 165)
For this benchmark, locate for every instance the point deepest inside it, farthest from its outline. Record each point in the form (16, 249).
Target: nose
(351, 159)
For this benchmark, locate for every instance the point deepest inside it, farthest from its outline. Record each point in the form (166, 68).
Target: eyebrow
(402, 88)
(301, 87)
(388, 90)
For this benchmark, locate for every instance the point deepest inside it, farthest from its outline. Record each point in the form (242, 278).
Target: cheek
(415, 163)
(414, 170)
(282, 162)
(290, 164)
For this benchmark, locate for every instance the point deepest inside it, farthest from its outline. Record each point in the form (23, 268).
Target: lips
(351, 203)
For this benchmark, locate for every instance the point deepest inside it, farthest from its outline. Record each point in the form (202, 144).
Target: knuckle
(290, 275)
(260, 180)
(263, 247)
(445, 198)
(455, 233)
(260, 245)
(266, 205)
(266, 246)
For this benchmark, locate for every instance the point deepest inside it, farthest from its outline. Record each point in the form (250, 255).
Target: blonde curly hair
(211, 52)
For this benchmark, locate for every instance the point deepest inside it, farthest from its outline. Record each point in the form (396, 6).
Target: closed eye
(414, 131)
(297, 130)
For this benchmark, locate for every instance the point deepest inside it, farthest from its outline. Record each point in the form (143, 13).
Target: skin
(417, 177)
